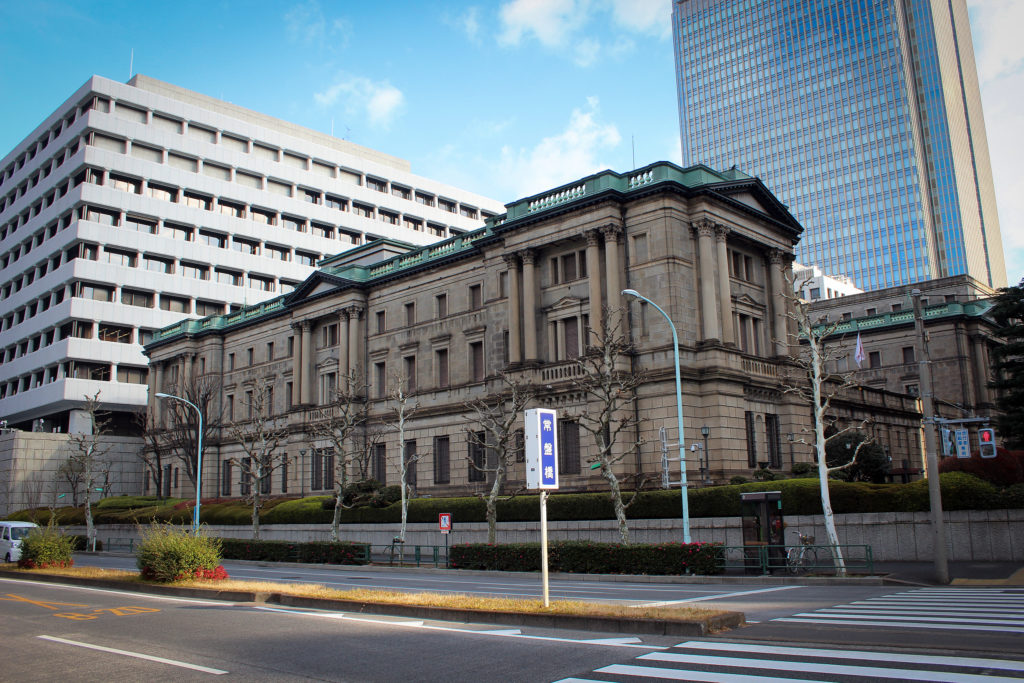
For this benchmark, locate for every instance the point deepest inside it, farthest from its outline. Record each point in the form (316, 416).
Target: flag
(859, 354)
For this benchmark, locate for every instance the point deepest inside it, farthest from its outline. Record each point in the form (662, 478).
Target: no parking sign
(444, 522)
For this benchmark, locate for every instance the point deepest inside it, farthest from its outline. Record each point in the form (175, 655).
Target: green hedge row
(343, 552)
(581, 557)
(960, 491)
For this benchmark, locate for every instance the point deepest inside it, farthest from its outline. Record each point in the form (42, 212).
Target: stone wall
(982, 535)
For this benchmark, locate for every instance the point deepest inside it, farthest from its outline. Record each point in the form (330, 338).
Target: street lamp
(199, 456)
(706, 467)
(679, 411)
(302, 471)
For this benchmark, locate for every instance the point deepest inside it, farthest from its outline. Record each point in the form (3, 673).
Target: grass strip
(380, 597)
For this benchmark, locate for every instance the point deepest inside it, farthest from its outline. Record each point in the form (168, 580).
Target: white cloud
(653, 17)
(584, 31)
(1000, 58)
(379, 102)
(551, 22)
(573, 153)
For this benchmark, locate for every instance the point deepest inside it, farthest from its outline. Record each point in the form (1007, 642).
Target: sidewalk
(960, 573)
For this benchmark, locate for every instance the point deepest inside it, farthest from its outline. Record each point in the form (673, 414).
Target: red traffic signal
(987, 442)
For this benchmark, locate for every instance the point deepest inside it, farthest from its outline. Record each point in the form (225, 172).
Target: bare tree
(400, 395)
(71, 472)
(182, 421)
(88, 458)
(154, 449)
(494, 419)
(820, 388)
(259, 434)
(344, 427)
(609, 392)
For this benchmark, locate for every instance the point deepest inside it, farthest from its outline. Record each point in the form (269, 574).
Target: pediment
(750, 200)
(746, 299)
(564, 303)
(317, 285)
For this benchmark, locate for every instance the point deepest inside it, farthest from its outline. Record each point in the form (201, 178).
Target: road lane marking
(720, 596)
(49, 604)
(681, 675)
(149, 596)
(824, 668)
(849, 614)
(501, 633)
(979, 662)
(136, 655)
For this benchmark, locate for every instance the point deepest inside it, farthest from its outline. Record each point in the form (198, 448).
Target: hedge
(315, 552)
(582, 557)
(960, 491)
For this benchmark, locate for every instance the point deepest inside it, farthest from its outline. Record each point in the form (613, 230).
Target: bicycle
(803, 557)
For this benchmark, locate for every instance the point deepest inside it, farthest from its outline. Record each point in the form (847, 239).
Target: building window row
(74, 369)
(78, 329)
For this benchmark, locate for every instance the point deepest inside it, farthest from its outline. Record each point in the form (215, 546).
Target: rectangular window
(751, 424)
(477, 457)
(283, 469)
(114, 333)
(441, 367)
(381, 322)
(875, 359)
(245, 477)
(442, 305)
(639, 248)
(380, 377)
(476, 361)
(442, 470)
(476, 297)
(409, 367)
(225, 471)
(132, 297)
(213, 239)
(568, 447)
(205, 308)
(774, 435)
(410, 314)
(908, 354)
(379, 465)
(175, 304)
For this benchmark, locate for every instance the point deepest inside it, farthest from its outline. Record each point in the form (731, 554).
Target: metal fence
(402, 555)
(800, 559)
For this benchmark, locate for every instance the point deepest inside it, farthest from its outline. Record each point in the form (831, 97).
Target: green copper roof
(946, 310)
(660, 172)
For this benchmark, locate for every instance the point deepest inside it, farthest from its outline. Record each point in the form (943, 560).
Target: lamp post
(792, 460)
(704, 431)
(302, 471)
(679, 411)
(199, 456)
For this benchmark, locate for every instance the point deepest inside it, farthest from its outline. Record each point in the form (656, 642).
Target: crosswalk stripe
(705, 676)
(853, 614)
(822, 668)
(978, 662)
(901, 624)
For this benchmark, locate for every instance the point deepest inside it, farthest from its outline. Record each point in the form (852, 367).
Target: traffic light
(987, 442)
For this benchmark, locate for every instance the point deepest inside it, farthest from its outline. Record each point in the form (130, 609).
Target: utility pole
(931, 456)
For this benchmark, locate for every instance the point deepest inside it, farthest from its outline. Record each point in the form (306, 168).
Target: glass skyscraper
(863, 116)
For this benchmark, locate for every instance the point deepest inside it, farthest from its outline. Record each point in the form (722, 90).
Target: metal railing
(800, 559)
(402, 555)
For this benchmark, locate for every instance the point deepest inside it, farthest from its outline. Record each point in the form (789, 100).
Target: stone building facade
(522, 297)
(959, 332)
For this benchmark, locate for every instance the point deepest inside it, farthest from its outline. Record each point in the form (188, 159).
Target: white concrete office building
(135, 205)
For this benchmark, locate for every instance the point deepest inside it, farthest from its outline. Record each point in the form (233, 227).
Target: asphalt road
(956, 619)
(51, 631)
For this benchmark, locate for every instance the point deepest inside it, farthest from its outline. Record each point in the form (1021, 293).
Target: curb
(694, 628)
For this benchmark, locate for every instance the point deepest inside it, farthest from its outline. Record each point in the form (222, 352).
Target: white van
(11, 534)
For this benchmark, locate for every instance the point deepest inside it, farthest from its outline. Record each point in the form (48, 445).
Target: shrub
(1006, 469)
(592, 558)
(169, 553)
(285, 551)
(46, 547)
(801, 470)
(737, 480)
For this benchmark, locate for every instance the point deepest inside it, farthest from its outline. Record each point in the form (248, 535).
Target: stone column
(515, 311)
(529, 305)
(158, 385)
(981, 370)
(343, 371)
(355, 337)
(296, 363)
(189, 367)
(305, 368)
(780, 328)
(594, 281)
(613, 273)
(705, 256)
(724, 287)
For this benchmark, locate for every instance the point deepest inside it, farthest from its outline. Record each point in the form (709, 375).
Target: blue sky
(502, 98)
